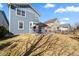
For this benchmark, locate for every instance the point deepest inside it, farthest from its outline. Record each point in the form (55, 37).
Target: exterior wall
(32, 11)
(3, 21)
(64, 29)
(30, 16)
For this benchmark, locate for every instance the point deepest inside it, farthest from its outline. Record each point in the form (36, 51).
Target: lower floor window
(21, 25)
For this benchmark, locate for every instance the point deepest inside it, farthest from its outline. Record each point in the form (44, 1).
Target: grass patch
(4, 41)
(2, 46)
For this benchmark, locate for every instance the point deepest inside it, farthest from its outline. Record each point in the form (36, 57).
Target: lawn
(39, 45)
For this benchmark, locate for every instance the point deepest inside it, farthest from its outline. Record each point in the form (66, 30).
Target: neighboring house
(22, 18)
(42, 27)
(3, 20)
(53, 25)
(65, 27)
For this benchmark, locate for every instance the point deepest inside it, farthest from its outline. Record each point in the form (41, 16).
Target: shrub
(3, 31)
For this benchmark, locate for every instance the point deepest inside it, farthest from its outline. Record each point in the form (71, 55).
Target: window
(21, 25)
(20, 12)
(23, 13)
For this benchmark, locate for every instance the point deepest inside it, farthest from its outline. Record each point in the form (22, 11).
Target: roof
(41, 24)
(51, 21)
(4, 16)
(24, 5)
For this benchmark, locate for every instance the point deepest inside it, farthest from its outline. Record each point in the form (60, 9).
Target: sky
(65, 12)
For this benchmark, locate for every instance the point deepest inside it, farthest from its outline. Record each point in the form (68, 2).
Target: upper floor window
(23, 13)
(20, 12)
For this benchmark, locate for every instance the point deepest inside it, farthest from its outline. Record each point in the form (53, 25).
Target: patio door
(30, 27)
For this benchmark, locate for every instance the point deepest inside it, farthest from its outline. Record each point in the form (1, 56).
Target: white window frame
(25, 13)
(21, 12)
(18, 25)
(32, 24)
(29, 25)
(17, 11)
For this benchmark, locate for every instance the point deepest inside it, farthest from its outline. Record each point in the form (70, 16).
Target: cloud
(65, 19)
(49, 5)
(1, 6)
(67, 9)
(60, 10)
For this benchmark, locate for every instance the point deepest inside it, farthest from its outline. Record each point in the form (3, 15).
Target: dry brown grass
(41, 45)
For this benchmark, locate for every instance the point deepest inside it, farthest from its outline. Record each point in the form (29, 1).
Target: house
(3, 20)
(65, 27)
(22, 18)
(53, 25)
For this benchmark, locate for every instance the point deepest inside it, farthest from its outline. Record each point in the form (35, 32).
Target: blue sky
(65, 12)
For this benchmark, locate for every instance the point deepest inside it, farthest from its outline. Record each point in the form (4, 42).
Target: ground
(40, 45)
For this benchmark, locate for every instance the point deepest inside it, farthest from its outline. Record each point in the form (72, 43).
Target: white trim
(16, 12)
(9, 18)
(21, 12)
(29, 25)
(32, 25)
(23, 25)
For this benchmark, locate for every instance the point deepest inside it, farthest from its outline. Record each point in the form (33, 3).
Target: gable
(22, 5)
(34, 9)
(52, 21)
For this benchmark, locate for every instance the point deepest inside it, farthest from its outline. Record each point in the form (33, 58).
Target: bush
(3, 31)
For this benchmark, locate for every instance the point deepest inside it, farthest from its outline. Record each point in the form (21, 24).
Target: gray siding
(30, 16)
(3, 21)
